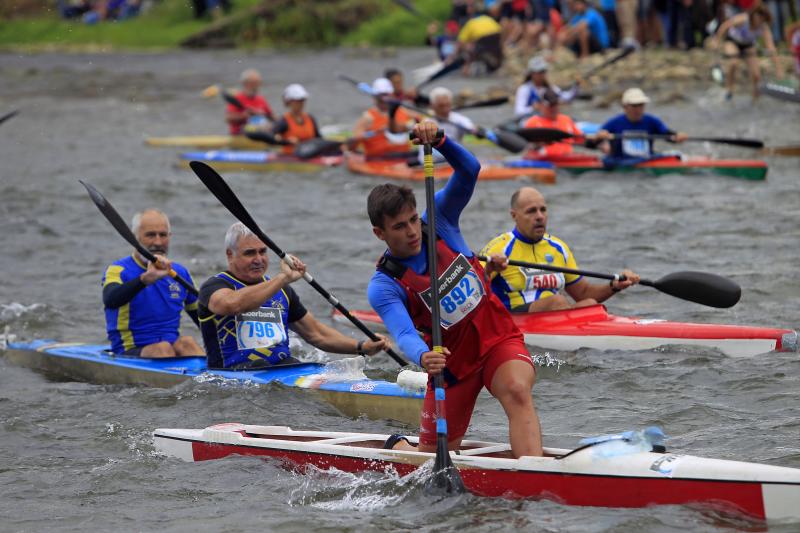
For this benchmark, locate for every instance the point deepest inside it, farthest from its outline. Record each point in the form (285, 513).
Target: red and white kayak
(594, 327)
(612, 471)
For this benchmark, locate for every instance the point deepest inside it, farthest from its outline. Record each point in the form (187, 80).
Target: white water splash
(16, 310)
(5, 338)
(546, 360)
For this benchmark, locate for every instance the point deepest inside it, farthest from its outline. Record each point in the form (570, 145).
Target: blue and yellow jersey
(518, 286)
(261, 334)
(154, 314)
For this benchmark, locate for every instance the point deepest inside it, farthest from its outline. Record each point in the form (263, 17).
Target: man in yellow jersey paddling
(526, 290)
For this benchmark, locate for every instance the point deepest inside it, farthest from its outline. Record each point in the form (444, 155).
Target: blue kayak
(250, 160)
(94, 363)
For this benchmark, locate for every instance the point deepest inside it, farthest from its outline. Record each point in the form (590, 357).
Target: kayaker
(399, 91)
(479, 45)
(245, 315)
(383, 129)
(550, 117)
(442, 108)
(142, 303)
(295, 125)
(525, 290)
(483, 347)
(256, 110)
(740, 35)
(534, 86)
(625, 152)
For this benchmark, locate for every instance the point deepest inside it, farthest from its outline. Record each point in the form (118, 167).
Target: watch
(360, 348)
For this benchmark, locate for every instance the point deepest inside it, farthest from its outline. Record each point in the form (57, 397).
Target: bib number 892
(457, 296)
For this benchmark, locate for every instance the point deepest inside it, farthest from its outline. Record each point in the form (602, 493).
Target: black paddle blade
(231, 99)
(508, 140)
(115, 219)
(745, 143)
(316, 147)
(543, 135)
(8, 115)
(445, 478)
(700, 287)
(228, 198)
(444, 71)
(264, 137)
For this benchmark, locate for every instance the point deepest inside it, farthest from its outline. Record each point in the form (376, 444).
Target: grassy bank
(170, 22)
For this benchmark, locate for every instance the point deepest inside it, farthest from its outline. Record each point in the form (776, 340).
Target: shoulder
(500, 241)
(214, 283)
(558, 245)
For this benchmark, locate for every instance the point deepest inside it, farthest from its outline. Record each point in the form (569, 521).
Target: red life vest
(473, 318)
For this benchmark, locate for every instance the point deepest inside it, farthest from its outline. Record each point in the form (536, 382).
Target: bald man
(142, 302)
(528, 290)
(254, 110)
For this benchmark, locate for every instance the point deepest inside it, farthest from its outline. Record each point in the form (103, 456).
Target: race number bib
(460, 292)
(636, 147)
(262, 328)
(256, 121)
(538, 280)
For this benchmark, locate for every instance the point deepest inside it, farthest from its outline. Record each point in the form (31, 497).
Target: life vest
(297, 131)
(252, 336)
(563, 123)
(473, 319)
(376, 144)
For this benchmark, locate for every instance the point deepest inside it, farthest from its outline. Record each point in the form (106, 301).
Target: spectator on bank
(70, 9)
(480, 44)
(446, 42)
(586, 32)
(112, 10)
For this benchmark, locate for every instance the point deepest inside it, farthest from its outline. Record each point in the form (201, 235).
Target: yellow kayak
(235, 142)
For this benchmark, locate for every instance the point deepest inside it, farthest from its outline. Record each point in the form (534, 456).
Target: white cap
(634, 96)
(537, 64)
(382, 86)
(295, 91)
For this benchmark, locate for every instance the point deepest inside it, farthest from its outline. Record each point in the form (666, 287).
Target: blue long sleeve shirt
(386, 296)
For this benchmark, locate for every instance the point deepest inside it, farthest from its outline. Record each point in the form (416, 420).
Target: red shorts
(461, 396)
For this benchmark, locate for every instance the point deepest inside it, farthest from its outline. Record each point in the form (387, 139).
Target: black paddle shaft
(122, 228)
(219, 188)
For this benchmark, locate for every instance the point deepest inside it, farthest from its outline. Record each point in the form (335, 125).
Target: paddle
(622, 54)
(700, 287)
(489, 102)
(8, 115)
(504, 139)
(454, 65)
(122, 228)
(445, 477)
(265, 137)
(228, 198)
(544, 135)
(792, 151)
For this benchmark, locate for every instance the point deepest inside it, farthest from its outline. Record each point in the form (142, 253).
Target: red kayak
(594, 327)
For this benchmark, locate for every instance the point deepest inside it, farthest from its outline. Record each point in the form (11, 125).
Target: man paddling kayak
(526, 290)
(550, 116)
(295, 125)
(630, 151)
(456, 124)
(142, 303)
(244, 314)
(383, 129)
(482, 346)
(256, 109)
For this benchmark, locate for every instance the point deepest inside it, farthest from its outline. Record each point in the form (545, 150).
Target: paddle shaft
(122, 228)
(8, 115)
(544, 135)
(565, 270)
(228, 198)
(625, 52)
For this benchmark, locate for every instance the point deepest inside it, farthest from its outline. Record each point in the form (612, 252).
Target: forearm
(232, 302)
(600, 292)
(331, 340)
(115, 295)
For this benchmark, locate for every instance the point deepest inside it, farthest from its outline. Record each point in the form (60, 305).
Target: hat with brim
(537, 64)
(295, 91)
(382, 86)
(634, 96)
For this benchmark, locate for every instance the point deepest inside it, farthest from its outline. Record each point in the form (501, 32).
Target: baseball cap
(634, 96)
(382, 86)
(537, 64)
(295, 91)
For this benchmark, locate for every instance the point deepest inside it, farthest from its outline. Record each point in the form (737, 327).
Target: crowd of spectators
(93, 11)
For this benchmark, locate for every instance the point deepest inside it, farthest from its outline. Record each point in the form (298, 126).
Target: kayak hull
(207, 142)
(492, 170)
(749, 169)
(259, 161)
(607, 474)
(375, 399)
(594, 327)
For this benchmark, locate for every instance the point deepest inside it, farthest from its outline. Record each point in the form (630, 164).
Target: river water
(77, 456)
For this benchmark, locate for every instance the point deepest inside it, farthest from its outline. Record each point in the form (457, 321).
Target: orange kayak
(490, 170)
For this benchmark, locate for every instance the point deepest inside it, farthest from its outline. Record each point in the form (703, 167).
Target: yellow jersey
(518, 287)
(478, 27)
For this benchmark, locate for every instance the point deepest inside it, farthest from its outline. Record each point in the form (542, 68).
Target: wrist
(360, 348)
(613, 288)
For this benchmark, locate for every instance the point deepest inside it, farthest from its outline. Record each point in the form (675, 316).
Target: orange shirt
(376, 144)
(563, 123)
(297, 132)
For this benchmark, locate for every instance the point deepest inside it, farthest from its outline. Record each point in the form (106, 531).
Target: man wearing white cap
(456, 124)
(383, 129)
(624, 151)
(535, 86)
(295, 125)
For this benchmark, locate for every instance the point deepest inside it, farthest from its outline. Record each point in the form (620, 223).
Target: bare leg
(186, 346)
(158, 350)
(512, 385)
(556, 302)
(585, 303)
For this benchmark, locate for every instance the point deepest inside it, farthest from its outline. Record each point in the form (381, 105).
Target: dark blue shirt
(639, 148)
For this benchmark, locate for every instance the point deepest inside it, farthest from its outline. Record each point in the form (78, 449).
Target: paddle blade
(316, 147)
(543, 135)
(115, 219)
(228, 198)
(444, 71)
(264, 137)
(508, 140)
(700, 287)
(9, 115)
(745, 143)
(445, 478)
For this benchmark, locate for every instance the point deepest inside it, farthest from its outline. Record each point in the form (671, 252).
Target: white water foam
(16, 310)
(546, 360)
